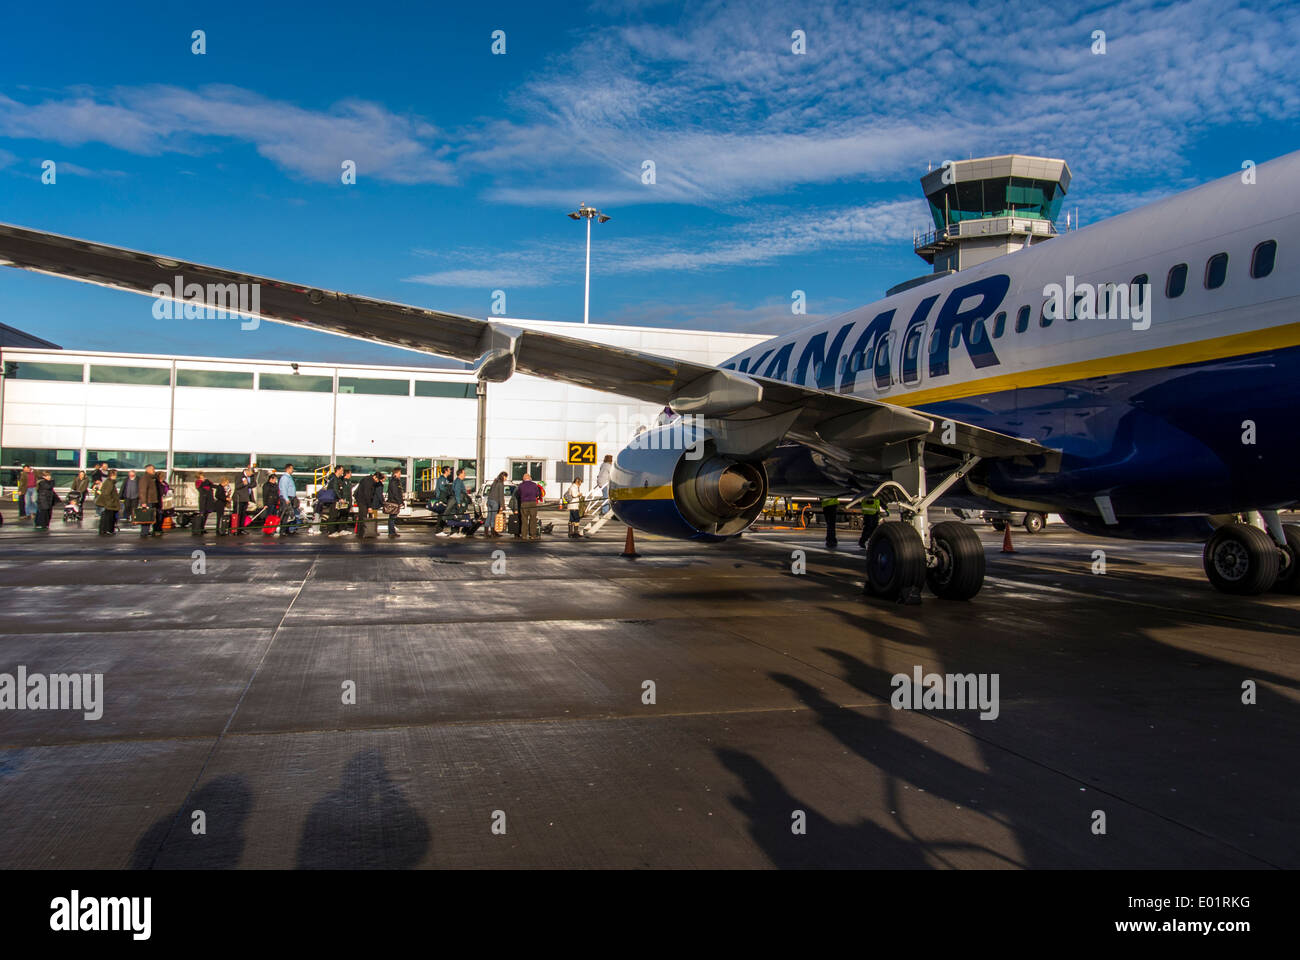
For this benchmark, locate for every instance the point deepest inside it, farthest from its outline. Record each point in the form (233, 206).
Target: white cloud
(313, 144)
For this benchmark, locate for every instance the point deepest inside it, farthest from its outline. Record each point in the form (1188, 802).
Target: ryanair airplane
(1140, 377)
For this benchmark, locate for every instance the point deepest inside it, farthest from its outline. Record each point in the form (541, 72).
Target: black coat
(207, 498)
(271, 494)
(45, 495)
(366, 492)
(396, 490)
(243, 488)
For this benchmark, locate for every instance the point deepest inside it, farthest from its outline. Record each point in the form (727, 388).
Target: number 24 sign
(582, 452)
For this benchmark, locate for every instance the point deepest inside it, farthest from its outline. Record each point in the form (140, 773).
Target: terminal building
(63, 410)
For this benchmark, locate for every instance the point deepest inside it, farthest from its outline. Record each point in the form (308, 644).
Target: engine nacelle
(671, 481)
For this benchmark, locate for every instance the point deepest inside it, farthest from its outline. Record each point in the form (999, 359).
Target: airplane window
(1216, 271)
(934, 344)
(1261, 261)
(1176, 282)
(1138, 289)
(1073, 310)
(869, 359)
(1045, 317)
(977, 330)
(882, 348)
(1022, 320)
(956, 338)
(1103, 299)
(999, 325)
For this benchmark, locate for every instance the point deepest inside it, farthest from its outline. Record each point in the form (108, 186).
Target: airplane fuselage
(1175, 392)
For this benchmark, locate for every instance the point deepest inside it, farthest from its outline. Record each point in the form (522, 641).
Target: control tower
(990, 206)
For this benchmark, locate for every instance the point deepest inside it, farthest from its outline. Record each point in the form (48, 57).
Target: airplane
(1139, 376)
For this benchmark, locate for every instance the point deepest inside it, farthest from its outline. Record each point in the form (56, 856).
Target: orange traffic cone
(629, 548)
(1006, 540)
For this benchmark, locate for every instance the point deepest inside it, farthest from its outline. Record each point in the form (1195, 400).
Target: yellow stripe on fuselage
(642, 493)
(1216, 348)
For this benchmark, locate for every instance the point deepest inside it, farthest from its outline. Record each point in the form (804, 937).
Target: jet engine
(672, 481)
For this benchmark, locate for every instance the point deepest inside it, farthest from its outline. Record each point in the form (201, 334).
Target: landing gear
(902, 556)
(896, 563)
(1288, 575)
(1034, 522)
(1242, 559)
(956, 567)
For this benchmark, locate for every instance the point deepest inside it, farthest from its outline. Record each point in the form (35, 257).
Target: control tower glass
(996, 197)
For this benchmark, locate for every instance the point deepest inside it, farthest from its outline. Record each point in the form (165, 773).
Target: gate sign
(582, 452)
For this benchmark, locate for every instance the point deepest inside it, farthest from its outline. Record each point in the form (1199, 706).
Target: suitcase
(255, 518)
(512, 525)
(271, 525)
(223, 523)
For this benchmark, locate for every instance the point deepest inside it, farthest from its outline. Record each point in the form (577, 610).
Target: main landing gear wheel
(896, 562)
(1241, 559)
(958, 554)
(1288, 575)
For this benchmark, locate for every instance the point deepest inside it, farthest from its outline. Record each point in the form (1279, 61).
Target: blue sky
(774, 171)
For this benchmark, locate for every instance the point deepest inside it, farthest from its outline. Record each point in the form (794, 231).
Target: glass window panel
(209, 461)
(126, 459)
(1176, 282)
(144, 376)
(1022, 320)
(302, 462)
(47, 457)
(1216, 271)
(30, 370)
(223, 379)
(372, 387)
(1262, 260)
(444, 388)
(301, 382)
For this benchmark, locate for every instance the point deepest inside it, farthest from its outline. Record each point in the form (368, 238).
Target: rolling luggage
(223, 523)
(271, 525)
(256, 518)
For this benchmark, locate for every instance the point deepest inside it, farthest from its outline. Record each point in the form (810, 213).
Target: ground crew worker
(871, 511)
(830, 507)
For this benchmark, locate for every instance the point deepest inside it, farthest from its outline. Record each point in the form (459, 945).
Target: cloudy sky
(773, 171)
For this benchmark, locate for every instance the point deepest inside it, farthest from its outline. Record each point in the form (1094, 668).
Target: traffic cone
(1006, 540)
(629, 548)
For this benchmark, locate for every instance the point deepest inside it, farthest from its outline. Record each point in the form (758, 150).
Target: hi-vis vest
(830, 502)
(870, 506)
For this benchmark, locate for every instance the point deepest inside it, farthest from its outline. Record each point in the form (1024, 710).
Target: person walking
(288, 491)
(151, 497)
(574, 497)
(109, 503)
(603, 475)
(77, 493)
(872, 510)
(128, 496)
(28, 483)
(221, 500)
(332, 499)
(46, 498)
(496, 497)
(396, 495)
(243, 496)
(365, 494)
(207, 503)
(530, 498)
(830, 508)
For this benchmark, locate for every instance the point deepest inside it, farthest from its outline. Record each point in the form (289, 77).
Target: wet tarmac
(313, 702)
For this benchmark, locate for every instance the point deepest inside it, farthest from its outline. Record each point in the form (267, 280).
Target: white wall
(527, 418)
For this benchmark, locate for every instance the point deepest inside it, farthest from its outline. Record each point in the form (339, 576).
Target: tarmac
(557, 705)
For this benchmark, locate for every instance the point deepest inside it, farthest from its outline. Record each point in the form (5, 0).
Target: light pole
(585, 212)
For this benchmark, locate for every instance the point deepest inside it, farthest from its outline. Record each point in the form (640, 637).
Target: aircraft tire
(999, 525)
(1241, 559)
(895, 561)
(958, 573)
(1288, 577)
(1034, 522)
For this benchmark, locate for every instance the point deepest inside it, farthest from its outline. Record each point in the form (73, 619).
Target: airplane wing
(829, 420)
